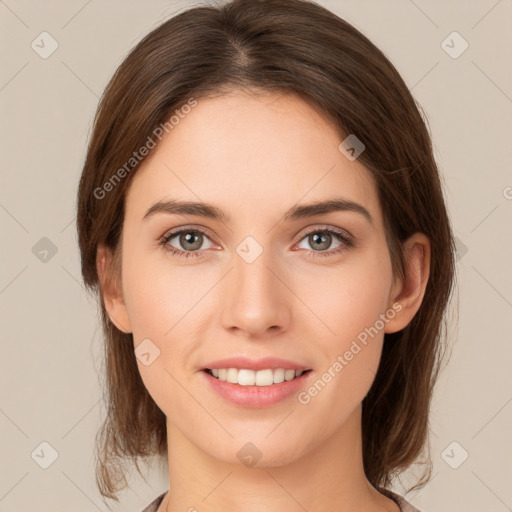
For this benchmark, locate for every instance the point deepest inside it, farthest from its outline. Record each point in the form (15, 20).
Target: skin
(254, 156)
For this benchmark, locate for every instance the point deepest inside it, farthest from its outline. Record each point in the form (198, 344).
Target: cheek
(349, 298)
(160, 306)
(158, 294)
(349, 305)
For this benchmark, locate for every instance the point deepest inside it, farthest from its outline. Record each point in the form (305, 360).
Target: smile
(245, 377)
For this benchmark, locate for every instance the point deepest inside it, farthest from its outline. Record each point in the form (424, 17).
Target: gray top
(152, 507)
(404, 505)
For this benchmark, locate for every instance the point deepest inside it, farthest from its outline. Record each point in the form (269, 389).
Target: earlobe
(111, 289)
(412, 289)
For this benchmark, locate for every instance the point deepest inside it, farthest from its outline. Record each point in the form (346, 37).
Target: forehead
(250, 153)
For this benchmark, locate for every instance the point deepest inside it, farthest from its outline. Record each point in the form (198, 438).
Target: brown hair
(285, 46)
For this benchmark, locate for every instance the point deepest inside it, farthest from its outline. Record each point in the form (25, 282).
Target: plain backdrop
(50, 407)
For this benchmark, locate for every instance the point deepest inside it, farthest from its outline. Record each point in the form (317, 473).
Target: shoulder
(153, 506)
(404, 505)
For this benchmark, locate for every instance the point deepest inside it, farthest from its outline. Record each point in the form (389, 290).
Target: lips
(256, 396)
(265, 363)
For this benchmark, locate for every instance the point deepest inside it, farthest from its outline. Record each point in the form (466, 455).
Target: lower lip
(256, 397)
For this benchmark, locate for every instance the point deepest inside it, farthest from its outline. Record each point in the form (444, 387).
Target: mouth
(264, 378)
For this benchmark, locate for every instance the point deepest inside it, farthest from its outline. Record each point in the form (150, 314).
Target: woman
(262, 218)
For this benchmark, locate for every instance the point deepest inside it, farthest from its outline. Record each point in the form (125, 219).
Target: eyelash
(341, 236)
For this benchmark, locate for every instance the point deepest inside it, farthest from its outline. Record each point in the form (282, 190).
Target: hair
(287, 47)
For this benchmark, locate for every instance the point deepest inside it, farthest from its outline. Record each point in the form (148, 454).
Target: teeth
(245, 377)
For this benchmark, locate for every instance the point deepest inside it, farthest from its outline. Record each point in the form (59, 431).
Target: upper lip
(264, 363)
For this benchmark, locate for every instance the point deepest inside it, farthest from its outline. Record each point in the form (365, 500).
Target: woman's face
(256, 283)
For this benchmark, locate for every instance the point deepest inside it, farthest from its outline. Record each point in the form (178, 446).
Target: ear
(407, 295)
(110, 281)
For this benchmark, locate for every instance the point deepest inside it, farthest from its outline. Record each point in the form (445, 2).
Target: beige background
(50, 338)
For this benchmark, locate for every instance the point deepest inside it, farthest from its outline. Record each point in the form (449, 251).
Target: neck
(330, 476)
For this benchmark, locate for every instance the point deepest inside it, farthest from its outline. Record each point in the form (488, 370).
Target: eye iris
(188, 238)
(322, 239)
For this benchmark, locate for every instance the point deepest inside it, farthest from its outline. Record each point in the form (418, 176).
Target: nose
(257, 302)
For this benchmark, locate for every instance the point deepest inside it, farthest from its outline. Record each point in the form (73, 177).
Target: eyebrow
(294, 213)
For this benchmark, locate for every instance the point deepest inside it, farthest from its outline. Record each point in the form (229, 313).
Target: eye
(191, 241)
(321, 239)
